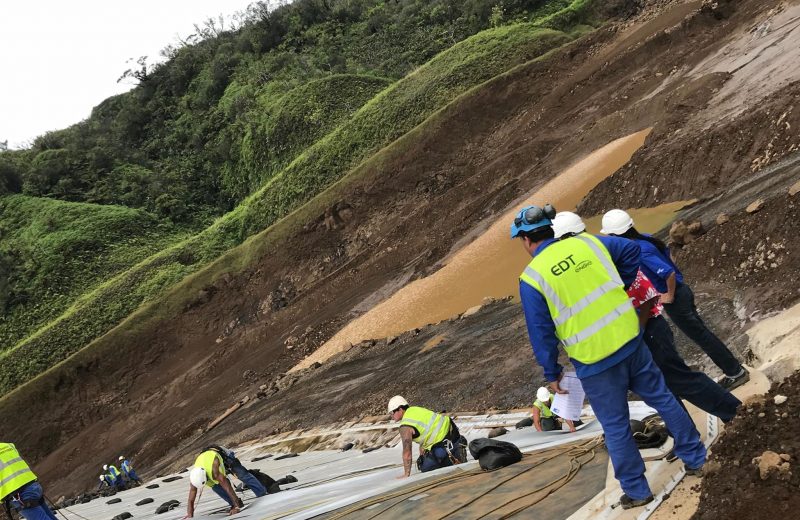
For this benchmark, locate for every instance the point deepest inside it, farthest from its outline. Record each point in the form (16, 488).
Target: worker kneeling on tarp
(440, 443)
(544, 420)
(209, 470)
(19, 488)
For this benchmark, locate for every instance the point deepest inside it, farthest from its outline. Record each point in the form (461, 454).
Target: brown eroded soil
(733, 487)
(147, 388)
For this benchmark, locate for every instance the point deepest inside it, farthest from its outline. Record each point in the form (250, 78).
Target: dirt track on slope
(169, 379)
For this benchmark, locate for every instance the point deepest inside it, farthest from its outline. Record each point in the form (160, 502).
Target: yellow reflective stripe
(584, 302)
(431, 433)
(15, 475)
(598, 325)
(5, 464)
(545, 287)
(603, 256)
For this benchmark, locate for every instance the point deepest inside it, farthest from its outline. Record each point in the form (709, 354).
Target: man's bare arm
(406, 436)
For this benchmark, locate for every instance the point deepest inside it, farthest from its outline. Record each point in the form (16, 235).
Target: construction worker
(573, 293)
(209, 470)
(128, 471)
(104, 481)
(233, 465)
(114, 476)
(685, 383)
(19, 488)
(544, 420)
(676, 296)
(440, 443)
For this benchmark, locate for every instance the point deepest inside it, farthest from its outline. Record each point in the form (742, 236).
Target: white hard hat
(616, 222)
(102, 478)
(567, 222)
(543, 394)
(396, 402)
(121, 457)
(105, 467)
(197, 477)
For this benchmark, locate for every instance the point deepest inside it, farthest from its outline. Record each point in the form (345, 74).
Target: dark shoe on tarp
(628, 503)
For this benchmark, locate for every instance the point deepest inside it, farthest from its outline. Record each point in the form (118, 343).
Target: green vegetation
(229, 136)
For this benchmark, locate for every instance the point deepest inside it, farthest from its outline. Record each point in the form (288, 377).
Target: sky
(61, 58)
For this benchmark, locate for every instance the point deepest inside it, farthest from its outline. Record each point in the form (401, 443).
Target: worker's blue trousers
(249, 480)
(608, 395)
(32, 492)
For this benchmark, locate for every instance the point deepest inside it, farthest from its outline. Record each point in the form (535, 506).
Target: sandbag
(524, 423)
(151, 486)
(122, 516)
(144, 501)
(114, 501)
(172, 479)
(493, 454)
(167, 506)
(287, 456)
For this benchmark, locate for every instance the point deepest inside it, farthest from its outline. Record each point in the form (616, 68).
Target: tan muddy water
(489, 266)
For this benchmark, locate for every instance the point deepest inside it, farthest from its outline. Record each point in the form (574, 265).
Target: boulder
(754, 206)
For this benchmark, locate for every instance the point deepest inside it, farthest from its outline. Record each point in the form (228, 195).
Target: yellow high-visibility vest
(431, 427)
(14, 472)
(546, 412)
(591, 311)
(206, 461)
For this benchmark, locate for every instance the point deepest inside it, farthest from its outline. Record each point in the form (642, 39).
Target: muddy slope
(742, 481)
(167, 379)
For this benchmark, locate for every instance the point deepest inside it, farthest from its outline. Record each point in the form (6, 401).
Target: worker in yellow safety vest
(440, 443)
(19, 488)
(573, 294)
(544, 420)
(209, 470)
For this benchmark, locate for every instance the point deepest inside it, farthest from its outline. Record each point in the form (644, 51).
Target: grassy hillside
(55, 251)
(328, 128)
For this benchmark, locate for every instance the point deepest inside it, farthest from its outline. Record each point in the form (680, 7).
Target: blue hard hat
(532, 217)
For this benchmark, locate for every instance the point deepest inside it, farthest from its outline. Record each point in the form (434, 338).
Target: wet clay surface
(733, 486)
(149, 389)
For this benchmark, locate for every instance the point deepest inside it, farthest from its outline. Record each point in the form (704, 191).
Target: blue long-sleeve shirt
(542, 331)
(657, 266)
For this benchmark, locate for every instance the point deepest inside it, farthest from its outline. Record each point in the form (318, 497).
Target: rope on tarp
(581, 455)
(587, 448)
(576, 452)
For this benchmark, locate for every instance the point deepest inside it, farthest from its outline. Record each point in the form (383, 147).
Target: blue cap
(530, 218)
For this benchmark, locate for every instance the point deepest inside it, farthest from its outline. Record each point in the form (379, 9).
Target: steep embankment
(390, 114)
(221, 334)
(122, 370)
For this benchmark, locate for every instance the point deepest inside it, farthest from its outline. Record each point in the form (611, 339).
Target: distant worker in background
(573, 293)
(19, 488)
(696, 387)
(544, 420)
(114, 476)
(104, 481)
(128, 471)
(440, 443)
(209, 470)
(676, 296)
